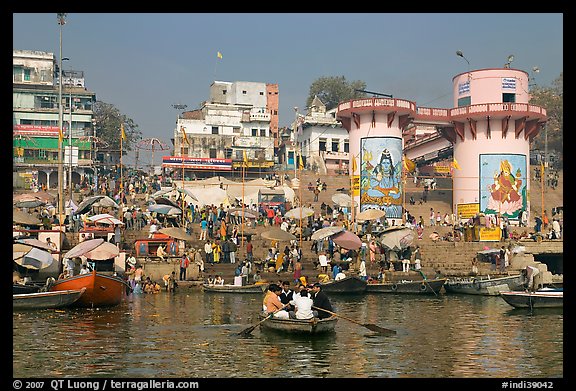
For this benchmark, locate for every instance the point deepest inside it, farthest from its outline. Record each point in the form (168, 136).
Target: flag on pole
(123, 134)
(456, 165)
(300, 163)
(245, 157)
(60, 135)
(184, 137)
(354, 165)
(409, 165)
(219, 55)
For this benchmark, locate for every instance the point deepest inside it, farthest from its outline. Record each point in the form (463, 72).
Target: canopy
(177, 233)
(370, 214)
(29, 203)
(164, 209)
(99, 200)
(247, 213)
(23, 218)
(299, 213)
(396, 238)
(106, 250)
(35, 243)
(34, 258)
(105, 218)
(325, 232)
(83, 247)
(342, 200)
(278, 234)
(166, 201)
(348, 240)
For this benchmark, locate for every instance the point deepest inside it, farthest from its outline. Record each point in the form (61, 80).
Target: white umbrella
(34, 258)
(299, 213)
(343, 200)
(397, 239)
(370, 214)
(105, 218)
(248, 214)
(277, 234)
(325, 232)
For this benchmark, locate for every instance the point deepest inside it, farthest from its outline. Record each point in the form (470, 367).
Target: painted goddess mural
(380, 171)
(504, 191)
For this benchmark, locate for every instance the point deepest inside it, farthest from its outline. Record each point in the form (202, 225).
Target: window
(236, 130)
(27, 74)
(322, 144)
(223, 92)
(466, 101)
(508, 98)
(212, 153)
(262, 132)
(244, 92)
(254, 132)
(261, 93)
(346, 146)
(335, 145)
(214, 129)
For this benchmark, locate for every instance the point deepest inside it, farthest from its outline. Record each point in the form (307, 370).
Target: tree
(332, 90)
(552, 99)
(108, 120)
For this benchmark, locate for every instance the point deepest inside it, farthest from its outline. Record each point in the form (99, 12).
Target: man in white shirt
(284, 226)
(208, 251)
(303, 303)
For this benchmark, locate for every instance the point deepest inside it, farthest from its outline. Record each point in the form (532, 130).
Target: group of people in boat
(305, 302)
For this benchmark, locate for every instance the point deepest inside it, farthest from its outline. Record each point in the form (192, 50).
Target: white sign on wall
(73, 156)
(464, 88)
(508, 83)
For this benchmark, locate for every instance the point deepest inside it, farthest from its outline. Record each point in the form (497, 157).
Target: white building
(322, 140)
(232, 124)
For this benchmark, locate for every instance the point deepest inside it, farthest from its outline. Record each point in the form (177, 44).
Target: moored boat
(485, 286)
(540, 299)
(432, 286)
(20, 289)
(230, 288)
(45, 300)
(299, 326)
(349, 284)
(102, 290)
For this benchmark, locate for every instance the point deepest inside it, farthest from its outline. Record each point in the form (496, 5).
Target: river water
(192, 334)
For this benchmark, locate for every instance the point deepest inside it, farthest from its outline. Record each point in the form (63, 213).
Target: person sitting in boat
(340, 276)
(323, 277)
(219, 280)
(321, 301)
(303, 305)
(273, 304)
(84, 269)
(210, 280)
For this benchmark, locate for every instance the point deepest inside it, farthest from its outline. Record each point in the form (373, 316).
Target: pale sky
(143, 63)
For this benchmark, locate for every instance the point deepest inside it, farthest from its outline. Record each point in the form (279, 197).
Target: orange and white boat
(101, 290)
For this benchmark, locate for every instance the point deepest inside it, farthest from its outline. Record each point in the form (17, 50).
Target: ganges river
(192, 334)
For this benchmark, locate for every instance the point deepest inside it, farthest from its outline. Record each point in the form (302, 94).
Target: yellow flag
(220, 55)
(123, 134)
(300, 163)
(409, 165)
(354, 165)
(184, 137)
(456, 165)
(245, 156)
(60, 135)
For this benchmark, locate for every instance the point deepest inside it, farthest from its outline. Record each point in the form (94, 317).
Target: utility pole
(61, 21)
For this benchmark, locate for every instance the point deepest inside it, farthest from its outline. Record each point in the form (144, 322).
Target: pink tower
(493, 125)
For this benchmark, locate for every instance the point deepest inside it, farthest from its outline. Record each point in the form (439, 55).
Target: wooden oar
(247, 331)
(369, 326)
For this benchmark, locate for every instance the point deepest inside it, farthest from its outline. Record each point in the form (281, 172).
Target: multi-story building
(35, 119)
(233, 127)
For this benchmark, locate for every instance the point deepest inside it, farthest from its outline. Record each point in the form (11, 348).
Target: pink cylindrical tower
(493, 127)
(375, 128)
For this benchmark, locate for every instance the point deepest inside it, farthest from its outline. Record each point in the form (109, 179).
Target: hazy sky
(143, 63)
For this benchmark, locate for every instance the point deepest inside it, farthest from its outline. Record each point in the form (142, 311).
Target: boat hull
(46, 300)
(299, 326)
(420, 287)
(350, 284)
(489, 287)
(534, 299)
(101, 290)
(256, 288)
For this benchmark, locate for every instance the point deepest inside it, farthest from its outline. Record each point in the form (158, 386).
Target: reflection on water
(195, 334)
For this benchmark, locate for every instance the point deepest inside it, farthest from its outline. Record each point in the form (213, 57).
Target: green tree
(552, 99)
(108, 120)
(332, 90)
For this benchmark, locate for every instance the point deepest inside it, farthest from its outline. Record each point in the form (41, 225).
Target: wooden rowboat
(412, 287)
(485, 286)
(230, 288)
(538, 299)
(102, 290)
(44, 300)
(350, 284)
(299, 326)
